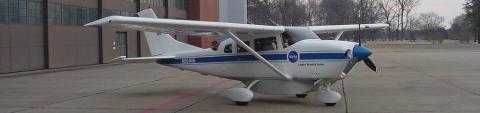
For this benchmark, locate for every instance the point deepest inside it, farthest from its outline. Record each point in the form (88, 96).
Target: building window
(108, 12)
(92, 14)
(69, 15)
(17, 11)
(179, 4)
(82, 16)
(153, 2)
(3, 11)
(34, 12)
(54, 14)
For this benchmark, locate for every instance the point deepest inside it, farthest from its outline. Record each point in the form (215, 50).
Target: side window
(215, 45)
(287, 40)
(266, 44)
(228, 48)
(241, 49)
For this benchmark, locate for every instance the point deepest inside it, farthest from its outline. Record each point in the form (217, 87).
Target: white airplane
(274, 60)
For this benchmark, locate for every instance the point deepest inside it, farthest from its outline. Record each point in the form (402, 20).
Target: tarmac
(440, 81)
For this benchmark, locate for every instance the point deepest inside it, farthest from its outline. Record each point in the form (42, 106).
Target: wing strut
(258, 56)
(339, 35)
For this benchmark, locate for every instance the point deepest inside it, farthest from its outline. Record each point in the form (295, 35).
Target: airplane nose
(361, 52)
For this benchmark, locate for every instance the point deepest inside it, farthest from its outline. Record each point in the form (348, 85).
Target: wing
(188, 27)
(234, 31)
(339, 29)
(343, 28)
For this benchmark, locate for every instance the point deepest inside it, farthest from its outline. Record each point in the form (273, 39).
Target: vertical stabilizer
(163, 44)
(147, 13)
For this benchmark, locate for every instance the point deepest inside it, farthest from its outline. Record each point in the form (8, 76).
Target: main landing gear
(241, 96)
(327, 96)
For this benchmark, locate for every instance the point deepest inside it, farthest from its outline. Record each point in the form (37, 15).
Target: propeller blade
(350, 65)
(370, 64)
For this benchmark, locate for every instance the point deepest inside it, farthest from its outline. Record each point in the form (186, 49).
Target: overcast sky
(447, 8)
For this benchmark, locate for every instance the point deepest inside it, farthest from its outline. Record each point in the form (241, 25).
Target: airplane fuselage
(310, 59)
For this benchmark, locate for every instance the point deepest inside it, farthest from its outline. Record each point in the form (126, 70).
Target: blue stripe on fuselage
(246, 58)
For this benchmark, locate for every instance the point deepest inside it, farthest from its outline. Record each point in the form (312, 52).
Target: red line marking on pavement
(185, 96)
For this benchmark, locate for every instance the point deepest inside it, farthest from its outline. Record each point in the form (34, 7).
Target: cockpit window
(228, 48)
(241, 49)
(287, 40)
(266, 44)
(215, 45)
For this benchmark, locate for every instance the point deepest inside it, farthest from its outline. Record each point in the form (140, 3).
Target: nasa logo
(292, 56)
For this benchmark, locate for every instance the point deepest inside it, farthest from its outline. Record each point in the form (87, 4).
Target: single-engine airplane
(276, 60)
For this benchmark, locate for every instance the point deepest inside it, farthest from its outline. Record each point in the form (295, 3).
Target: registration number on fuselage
(188, 60)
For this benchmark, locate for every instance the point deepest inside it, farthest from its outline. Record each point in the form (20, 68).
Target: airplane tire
(331, 104)
(301, 95)
(241, 103)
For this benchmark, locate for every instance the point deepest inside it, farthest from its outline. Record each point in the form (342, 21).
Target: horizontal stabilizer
(154, 58)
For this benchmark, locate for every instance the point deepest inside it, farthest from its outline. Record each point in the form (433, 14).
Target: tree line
(467, 26)
(399, 14)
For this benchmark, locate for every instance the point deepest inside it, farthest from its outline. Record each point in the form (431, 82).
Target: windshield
(296, 34)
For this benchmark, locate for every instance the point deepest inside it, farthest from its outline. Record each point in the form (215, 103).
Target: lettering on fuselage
(311, 64)
(188, 60)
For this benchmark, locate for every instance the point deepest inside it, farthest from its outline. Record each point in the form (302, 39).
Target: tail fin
(163, 44)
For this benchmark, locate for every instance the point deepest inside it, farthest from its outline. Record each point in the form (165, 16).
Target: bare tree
(370, 14)
(406, 9)
(260, 11)
(431, 25)
(472, 9)
(388, 10)
(338, 11)
(461, 29)
(431, 21)
(413, 28)
(292, 12)
(314, 13)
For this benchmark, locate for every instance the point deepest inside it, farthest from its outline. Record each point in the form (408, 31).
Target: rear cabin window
(228, 48)
(266, 44)
(241, 49)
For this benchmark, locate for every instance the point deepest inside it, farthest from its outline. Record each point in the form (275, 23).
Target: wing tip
(102, 21)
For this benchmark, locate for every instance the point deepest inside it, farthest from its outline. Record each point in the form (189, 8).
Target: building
(48, 34)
